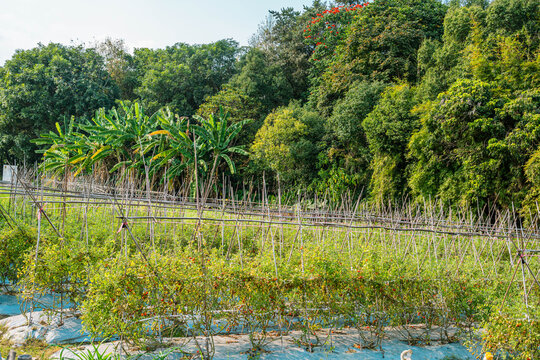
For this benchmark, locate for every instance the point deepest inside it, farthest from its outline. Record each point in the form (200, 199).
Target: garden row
(196, 275)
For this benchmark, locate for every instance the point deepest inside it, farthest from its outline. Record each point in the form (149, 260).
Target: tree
(177, 155)
(44, 85)
(182, 76)
(261, 81)
(66, 149)
(287, 144)
(349, 113)
(388, 130)
(281, 38)
(506, 17)
(505, 60)
(324, 33)
(518, 154)
(532, 199)
(451, 143)
(346, 161)
(440, 64)
(381, 43)
(201, 147)
(127, 141)
(117, 138)
(474, 144)
(239, 107)
(218, 136)
(477, 44)
(112, 140)
(120, 66)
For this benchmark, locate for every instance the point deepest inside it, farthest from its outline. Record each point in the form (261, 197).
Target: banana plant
(209, 141)
(218, 136)
(179, 150)
(117, 137)
(125, 138)
(67, 148)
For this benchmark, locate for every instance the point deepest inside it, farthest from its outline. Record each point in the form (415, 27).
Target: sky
(141, 23)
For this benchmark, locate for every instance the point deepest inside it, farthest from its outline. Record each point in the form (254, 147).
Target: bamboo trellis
(424, 236)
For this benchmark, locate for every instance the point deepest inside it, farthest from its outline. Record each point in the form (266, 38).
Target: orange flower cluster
(323, 29)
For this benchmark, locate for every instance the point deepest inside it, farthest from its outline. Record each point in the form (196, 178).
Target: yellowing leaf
(159, 132)
(76, 161)
(98, 152)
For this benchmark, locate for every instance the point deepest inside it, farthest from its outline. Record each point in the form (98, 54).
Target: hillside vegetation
(393, 99)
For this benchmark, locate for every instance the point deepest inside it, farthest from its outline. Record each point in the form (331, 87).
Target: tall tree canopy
(405, 99)
(380, 43)
(182, 76)
(41, 86)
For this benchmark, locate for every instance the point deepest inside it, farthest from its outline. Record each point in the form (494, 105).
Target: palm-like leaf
(127, 139)
(66, 148)
(177, 152)
(219, 136)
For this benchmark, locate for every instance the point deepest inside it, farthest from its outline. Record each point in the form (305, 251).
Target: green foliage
(129, 142)
(532, 169)
(43, 85)
(388, 129)
(182, 76)
(120, 65)
(287, 143)
(511, 332)
(331, 62)
(454, 132)
(473, 145)
(335, 180)
(441, 64)
(111, 141)
(62, 267)
(272, 144)
(390, 124)
(397, 97)
(168, 286)
(66, 148)
(93, 353)
(324, 33)
(459, 23)
(177, 154)
(14, 244)
(509, 61)
(511, 336)
(262, 81)
(349, 113)
(345, 165)
(203, 146)
(532, 166)
(116, 137)
(507, 17)
(189, 299)
(218, 137)
(381, 44)
(281, 39)
(239, 106)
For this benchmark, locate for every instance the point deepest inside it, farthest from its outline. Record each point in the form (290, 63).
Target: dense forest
(397, 100)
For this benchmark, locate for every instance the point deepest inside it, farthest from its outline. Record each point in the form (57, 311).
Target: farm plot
(145, 268)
